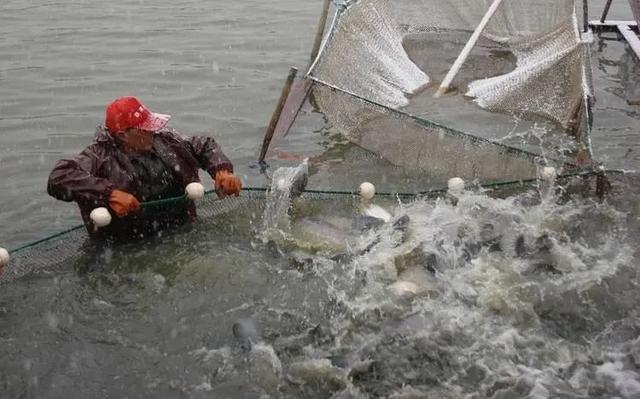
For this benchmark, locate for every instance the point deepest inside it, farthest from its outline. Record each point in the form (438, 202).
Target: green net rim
(419, 194)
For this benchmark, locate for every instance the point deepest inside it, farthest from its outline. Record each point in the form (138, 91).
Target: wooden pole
(606, 11)
(585, 15)
(268, 135)
(631, 38)
(455, 68)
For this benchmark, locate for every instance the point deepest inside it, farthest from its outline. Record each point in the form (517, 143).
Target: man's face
(136, 139)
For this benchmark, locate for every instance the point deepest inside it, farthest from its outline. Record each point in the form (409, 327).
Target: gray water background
(216, 66)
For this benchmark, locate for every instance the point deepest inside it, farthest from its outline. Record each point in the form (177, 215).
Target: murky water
(534, 295)
(554, 314)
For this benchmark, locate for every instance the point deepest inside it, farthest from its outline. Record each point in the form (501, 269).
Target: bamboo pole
(455, 68)
(268, 135)
(631, 38)
(585, 15)
(606, 11)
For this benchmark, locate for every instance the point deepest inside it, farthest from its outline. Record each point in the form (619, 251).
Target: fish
(316, 234)
(246, 334)
(366, 222)
(300, 179)
(264, 365)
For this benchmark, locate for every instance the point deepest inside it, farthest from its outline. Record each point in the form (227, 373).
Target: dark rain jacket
(89, 178)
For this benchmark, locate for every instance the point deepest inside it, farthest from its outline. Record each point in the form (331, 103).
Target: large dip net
(520, 102)
(521, 98)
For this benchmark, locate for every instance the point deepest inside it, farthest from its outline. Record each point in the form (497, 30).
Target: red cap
(128, 112)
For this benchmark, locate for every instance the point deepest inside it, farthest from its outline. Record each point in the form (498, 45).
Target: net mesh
(635, 8)
(514, 20)
(531, 63)
(240, 217)
(372, 79)
(73, 248)
(68, 247)
(417, 145)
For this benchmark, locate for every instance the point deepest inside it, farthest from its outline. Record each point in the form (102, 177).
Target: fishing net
(71, 247)
(531, 65)
(371, 79)
(417, 144)
(241, 216)
(635, 8)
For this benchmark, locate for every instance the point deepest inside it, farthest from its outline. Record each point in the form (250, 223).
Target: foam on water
(504, 323)
(284, 185)
(534, 295)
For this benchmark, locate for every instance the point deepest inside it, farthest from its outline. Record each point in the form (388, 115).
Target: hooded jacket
(89, 178)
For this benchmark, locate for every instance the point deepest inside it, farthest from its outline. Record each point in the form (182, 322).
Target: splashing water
(530, 296)
(518, 293)
(286, 184)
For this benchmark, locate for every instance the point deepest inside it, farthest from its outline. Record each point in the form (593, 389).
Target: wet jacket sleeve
(75, 180)
(209, 154)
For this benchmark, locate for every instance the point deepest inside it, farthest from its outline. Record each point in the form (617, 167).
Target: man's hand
(123, 203)
(227, 183)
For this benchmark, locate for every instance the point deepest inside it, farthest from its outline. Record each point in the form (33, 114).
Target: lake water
(218, 68)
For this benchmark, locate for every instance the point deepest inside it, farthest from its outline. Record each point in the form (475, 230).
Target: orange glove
(123, 203)
(227, 184)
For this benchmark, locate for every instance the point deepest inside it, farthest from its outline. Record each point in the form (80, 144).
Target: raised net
(635, 9)
(528, 77)
(529, 74)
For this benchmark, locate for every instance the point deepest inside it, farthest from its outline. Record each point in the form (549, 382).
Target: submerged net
(532, 66)
(72, 248)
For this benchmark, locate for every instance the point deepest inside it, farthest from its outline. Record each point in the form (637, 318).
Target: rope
(428, 193)
(51, 237)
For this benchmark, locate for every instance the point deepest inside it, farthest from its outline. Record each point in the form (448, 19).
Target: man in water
(135, 158)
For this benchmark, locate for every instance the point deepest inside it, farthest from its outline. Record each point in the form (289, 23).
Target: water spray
(367, 191)
(403, 289)
(455, 185)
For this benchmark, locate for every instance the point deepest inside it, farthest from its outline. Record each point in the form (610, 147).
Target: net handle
(462, 57)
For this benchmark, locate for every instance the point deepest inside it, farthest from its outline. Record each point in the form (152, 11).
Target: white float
(367, 190)
(4, 257)
(455, 185)
(100, 217)
(194, 191)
